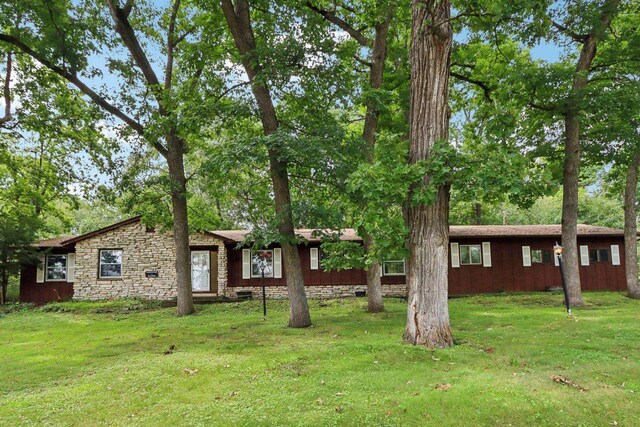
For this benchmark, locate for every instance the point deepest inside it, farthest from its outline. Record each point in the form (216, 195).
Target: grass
(104, 364)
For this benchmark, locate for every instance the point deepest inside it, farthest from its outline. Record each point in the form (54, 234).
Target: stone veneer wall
(141, 251)
(330, 291)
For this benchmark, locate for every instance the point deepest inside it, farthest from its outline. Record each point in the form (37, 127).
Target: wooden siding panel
(42, 293)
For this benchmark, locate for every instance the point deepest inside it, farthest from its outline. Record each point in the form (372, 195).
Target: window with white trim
(394, 267)
(470, 255)
(56, 268)
(110, 264)
(260, 259)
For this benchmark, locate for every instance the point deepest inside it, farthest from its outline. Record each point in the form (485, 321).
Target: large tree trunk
(239, 21)
(631, 227)
(175, 161)
(427, 279)
(572, 154)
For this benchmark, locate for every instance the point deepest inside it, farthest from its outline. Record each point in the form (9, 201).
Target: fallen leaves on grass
(443, 387)
(566, 381)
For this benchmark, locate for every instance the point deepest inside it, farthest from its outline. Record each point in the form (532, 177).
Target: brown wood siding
(318, 277)
(42, 293)
(507, 273)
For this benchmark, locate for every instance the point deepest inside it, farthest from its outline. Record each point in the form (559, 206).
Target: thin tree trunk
(631, 227)
(175, 161)
(572, 154)
(299, 316)
(4, 285)
(570, 184)
(376, 73)
(239, 22)
(477, 213)
(427, 279)
(375, 303)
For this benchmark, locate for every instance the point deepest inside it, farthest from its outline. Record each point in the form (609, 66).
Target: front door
(200, 281)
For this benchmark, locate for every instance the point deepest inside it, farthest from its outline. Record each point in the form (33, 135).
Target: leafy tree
(163, 108)
(373, 37)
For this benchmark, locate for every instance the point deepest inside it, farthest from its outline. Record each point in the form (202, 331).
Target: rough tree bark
(570, 182)
(378, 48)
(427, 279)
(631, 227)
(239, 22)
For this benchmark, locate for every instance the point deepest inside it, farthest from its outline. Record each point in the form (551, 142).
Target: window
(599, 255)
(56, 268)
(541, 256)
(260, 260)
(395, 267)
(470, 255)
(110, 263)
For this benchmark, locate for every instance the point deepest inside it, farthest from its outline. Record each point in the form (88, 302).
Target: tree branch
(168, 75)
(580, 38)
(330, 16)
(184, 35)
(73, 79)
(231, 89)
(482, 85)
(362, 61)
(126, 10)
(7, 91)
(127, 34)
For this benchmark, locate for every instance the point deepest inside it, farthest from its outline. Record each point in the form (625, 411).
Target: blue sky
(546, 51)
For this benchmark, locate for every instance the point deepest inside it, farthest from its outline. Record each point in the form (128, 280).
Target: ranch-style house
(128, 259)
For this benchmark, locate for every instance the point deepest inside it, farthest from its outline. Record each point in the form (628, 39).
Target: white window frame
(615, 255)
(486, 254)
(314, 258)
(384, 267)
(479, 246)
(46, 268)
(259, 275)
(455, 255)
(526, 256)
(100, 264)
(584, 255)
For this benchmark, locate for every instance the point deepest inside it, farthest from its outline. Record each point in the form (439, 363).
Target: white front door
(200, 271)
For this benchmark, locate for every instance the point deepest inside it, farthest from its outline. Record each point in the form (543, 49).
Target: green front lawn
(99, 364)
